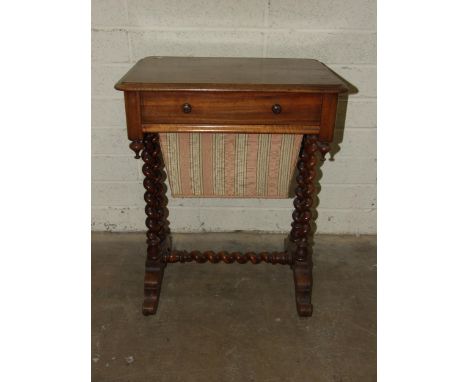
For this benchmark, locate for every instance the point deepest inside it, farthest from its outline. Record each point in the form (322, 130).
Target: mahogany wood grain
(230, 108)
(222, 128)
(133, 115)
(327, 123)
(223, 73)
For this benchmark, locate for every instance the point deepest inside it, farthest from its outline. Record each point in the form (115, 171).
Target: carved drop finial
(137, 146)
(324, 148)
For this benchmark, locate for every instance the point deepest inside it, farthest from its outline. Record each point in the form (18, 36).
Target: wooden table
(229, 95)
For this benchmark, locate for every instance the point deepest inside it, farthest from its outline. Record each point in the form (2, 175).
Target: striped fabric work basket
(230, 165)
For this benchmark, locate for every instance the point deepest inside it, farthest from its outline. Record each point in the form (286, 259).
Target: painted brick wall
(340, 33)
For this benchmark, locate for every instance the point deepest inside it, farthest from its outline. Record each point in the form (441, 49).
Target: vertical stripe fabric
(251, 166)
(240, 161)
(286, 164)
(196, 169)
(230, 165)
(170, 149)
(263, 154)
(218, 164)
(184, 158)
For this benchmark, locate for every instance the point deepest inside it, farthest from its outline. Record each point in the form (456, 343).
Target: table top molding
(227, 74)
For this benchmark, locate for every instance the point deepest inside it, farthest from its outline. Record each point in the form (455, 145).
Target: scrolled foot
(153, 281)
(150, 306)
(304, 308)
(303, 288)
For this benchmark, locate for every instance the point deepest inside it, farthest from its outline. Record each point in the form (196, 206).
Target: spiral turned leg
(158, 239)
(301, 226)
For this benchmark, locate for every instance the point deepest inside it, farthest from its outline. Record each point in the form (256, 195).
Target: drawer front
(230, 108)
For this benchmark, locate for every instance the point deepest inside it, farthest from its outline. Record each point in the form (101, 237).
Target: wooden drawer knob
(276, 108)
(187, 108)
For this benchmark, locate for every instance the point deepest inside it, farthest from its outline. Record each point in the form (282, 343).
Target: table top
(223, 73)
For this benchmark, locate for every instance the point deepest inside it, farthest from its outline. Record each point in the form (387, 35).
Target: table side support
(159, 251)
(158, 233)
(303, 216)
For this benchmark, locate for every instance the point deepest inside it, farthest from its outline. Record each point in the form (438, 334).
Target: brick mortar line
(346, 157)
(134, 182)
(227, 29)
(127, 13)
(122, 128)
(234, 208)
(108, 98)
(125, 64)
(118, 64)
(266, 10)
(100, 229)
(129, 45)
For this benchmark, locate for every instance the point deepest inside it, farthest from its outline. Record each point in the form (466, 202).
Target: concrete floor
(234, 322)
